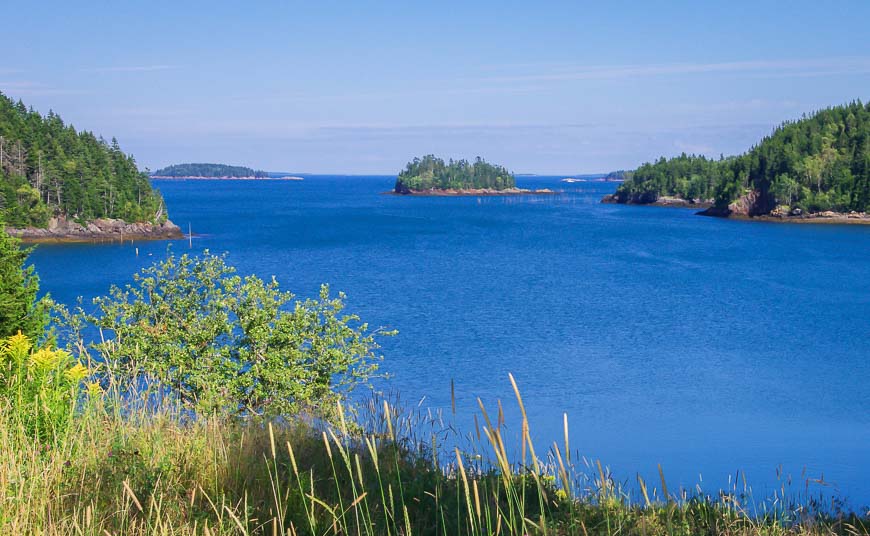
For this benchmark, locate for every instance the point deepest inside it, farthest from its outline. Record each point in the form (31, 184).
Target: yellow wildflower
(45, 359)
(77, 373)
(94, 389)
(19, 340)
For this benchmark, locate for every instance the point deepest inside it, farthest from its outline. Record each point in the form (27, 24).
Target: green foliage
(688, 176)
(208, 170)
(429, 173)
(821, 162)
(39, 387)
(620, 175)
(223, 343)
(48, 169)
(20, 309)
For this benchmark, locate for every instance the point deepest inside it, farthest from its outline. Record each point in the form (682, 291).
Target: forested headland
(180, 171)
(47, 169)
(818, 165)
(51, 173)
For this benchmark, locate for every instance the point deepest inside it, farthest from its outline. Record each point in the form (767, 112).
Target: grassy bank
(122, 469)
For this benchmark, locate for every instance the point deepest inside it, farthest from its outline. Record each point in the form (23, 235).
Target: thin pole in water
(189, 236)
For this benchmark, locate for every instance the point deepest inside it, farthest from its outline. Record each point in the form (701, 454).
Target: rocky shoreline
(747, 208)
(62, 230)
(472, 192)
(663, 201)
(828, 216)
(753, 206)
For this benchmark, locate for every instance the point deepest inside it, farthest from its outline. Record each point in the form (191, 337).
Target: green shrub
(222, 343)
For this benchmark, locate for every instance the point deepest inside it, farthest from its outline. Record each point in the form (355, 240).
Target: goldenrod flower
(94, 389)
(19, 341)
(45, 359)
(77, 373)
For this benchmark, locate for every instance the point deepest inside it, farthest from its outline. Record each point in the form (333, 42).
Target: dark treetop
(208, 170)
(430, 173)
(818, 163)
(48, 169)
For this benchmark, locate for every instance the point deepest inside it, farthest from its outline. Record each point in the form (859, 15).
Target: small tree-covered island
(434, 177)
(816, 169)
(208, 171)
(60, 185)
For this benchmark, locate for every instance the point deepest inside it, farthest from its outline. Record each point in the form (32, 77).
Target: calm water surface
(708, 346)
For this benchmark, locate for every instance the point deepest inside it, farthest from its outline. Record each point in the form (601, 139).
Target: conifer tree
(20, 307)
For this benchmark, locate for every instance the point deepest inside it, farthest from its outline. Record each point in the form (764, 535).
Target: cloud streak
(779, 68)
(538, 82)
(131, 69)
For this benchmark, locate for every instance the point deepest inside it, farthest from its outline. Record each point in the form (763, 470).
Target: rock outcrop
(755, 207)
(659, 201)
(65, 230)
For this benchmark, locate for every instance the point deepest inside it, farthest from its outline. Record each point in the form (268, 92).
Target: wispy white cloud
(131, 69)
(749, 105)
(443, 88)
(779, 68)
(538, 78)
(494, 125)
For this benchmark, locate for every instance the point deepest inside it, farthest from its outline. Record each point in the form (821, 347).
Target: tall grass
(123, 467)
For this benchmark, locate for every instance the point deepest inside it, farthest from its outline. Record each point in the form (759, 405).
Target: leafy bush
(222, 343)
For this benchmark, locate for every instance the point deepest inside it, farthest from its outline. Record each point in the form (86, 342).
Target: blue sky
(362, 87)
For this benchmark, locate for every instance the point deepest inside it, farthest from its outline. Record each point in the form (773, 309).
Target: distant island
(433, 177)
(814, 170)
(613, 176)
(208, 171)
(61, 185)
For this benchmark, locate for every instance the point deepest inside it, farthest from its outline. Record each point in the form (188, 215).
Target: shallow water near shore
(706, 345)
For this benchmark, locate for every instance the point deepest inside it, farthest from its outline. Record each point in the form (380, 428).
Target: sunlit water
(705, 345)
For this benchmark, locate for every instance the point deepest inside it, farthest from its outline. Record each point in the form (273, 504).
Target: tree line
(47, 169)
(818, 163)
(430, 173)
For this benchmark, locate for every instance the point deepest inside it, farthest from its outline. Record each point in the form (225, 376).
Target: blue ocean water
(705, 345)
